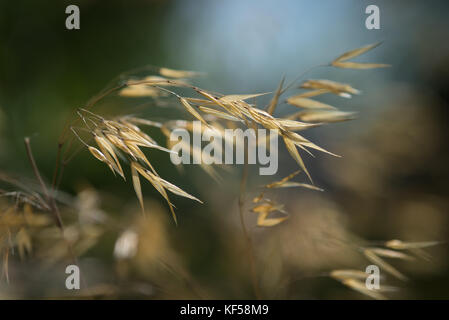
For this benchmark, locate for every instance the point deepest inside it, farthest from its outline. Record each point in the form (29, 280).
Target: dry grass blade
(306, 103)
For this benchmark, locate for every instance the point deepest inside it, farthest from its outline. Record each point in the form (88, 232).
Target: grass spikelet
(341, 61)
(266, 208)
(172, 73)
(107, 150)
(124, 135)
(356, 52)
(97, 154)
(347, 274)
(374, 258)
(240, 97)
(337, 88)
(356, 65)
(136, 185)
(361, 287)
(321, 116)
(274, 101)
(139, 91)
(291, 147)
(307, 103)
(192, 111)
(402, 245)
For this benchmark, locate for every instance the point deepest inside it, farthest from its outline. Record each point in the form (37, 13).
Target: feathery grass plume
(402, 245)
(123, 136)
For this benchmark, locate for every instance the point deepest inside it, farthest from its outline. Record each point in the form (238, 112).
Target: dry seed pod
(97, 154)
(299, 101)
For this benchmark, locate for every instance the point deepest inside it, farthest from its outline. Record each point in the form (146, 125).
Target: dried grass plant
(120, 141)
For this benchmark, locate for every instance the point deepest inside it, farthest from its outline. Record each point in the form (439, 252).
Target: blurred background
(390, 183)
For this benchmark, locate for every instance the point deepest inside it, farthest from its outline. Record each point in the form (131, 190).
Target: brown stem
(35, 169)
(51, 202)
(55, 172)
(249, 243)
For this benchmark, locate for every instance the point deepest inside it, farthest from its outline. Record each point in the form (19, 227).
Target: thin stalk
(249, 243)
(51, 202)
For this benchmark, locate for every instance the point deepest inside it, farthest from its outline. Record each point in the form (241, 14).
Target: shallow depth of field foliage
(86, 176)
